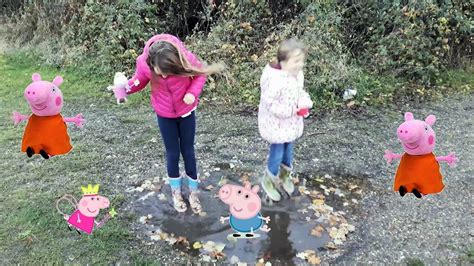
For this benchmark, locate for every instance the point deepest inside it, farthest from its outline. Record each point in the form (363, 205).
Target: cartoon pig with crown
(244, 205)
(46, 131)
(83, 219)
(418, 172)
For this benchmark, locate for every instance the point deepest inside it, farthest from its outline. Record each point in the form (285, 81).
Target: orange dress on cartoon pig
(420, 172)
(48, 133)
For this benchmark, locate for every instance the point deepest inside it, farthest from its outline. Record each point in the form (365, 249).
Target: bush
(371, 45)
(412, 39)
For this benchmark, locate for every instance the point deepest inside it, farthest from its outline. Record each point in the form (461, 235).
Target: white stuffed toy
(120, 87)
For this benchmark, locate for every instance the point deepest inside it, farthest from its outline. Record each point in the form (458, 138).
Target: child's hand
(120, 94)
(266, 219)
(189, 98)
(304, 112)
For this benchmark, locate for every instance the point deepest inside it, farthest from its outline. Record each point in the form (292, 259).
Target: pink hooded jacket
(167, 93)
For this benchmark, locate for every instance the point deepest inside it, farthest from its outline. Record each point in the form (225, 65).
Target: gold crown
(89, 190)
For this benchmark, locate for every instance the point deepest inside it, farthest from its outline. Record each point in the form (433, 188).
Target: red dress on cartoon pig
(48, 133)
(418, 172)
(82, 222)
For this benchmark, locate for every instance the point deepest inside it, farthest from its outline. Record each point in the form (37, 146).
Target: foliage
(373, 46)
(413, 39)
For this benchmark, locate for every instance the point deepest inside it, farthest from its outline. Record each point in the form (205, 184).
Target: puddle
(291, 221)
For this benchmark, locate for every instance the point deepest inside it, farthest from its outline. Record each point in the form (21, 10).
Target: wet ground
(291, 220)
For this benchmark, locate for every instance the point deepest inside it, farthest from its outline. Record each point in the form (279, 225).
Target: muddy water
(290, 228)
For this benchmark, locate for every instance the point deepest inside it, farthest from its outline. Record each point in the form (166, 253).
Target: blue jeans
(178, 137)
(280, 154)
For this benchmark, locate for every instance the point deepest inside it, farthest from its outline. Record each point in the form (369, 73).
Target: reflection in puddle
(290, 229)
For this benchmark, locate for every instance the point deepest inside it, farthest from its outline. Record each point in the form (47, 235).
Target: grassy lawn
(32, 231)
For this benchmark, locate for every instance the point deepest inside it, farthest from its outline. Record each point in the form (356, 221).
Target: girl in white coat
(283, 104)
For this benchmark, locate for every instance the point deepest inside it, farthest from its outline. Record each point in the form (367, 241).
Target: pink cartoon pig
(418, 171)
(245, 205)
(88, 208)
(46, 131)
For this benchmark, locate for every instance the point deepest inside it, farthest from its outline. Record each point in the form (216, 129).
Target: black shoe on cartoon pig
(44, 154)
(402, 190)
(416, 193)
(29, 152)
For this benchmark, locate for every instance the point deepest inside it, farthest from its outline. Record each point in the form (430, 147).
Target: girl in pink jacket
(283, 104)
(177, 79)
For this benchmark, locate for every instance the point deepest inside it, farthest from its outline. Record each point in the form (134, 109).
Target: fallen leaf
(210, 187)
(317, 231)
(197, 245)
(319, 180)
(217, 255)
(352, 187)
(244, 178)
(302, 255)
(355, 201)
(234, 260)
(313, 260)
(223, 181)
(351, 103)
(162, 197)
(303, 211)
(206, 258)
(242, 264)
(182, 241)
(318, 202)
(331, 245)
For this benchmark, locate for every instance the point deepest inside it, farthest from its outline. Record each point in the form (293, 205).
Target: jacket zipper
(172, 100)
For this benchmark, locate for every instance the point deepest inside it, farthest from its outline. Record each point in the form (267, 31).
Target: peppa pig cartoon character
(83, 219)
(244, 204)
(46, 131)
(418, 171)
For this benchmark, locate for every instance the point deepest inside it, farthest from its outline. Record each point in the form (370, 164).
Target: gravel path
(435, 229)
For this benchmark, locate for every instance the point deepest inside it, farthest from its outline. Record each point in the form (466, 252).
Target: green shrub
(413, 39)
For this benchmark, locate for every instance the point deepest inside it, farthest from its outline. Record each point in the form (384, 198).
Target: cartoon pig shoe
(418, 172)
(46, 131)
(244, 205)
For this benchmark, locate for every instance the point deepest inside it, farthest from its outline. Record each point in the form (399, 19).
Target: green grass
(32, 231)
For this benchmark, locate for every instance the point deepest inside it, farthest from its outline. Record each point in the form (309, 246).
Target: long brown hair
(171, 61)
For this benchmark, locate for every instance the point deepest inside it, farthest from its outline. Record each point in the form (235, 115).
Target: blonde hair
(171, 60)
(288, 46)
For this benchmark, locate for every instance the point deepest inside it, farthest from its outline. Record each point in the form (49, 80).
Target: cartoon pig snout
(225, 193)
(408, 132)
(36, 95)
(104, 202)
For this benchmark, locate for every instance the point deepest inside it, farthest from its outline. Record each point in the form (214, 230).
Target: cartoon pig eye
(92, 198)
(246, 196)
(239, 192)
(426, 128)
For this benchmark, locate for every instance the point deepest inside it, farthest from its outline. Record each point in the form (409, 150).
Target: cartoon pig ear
(58, 81)
(36, 77)
(247, 185)
(430, 120)
(408, 116)
(255, 189)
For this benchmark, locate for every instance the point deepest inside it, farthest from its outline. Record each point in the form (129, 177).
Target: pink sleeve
(197, 84)
(141, 72)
